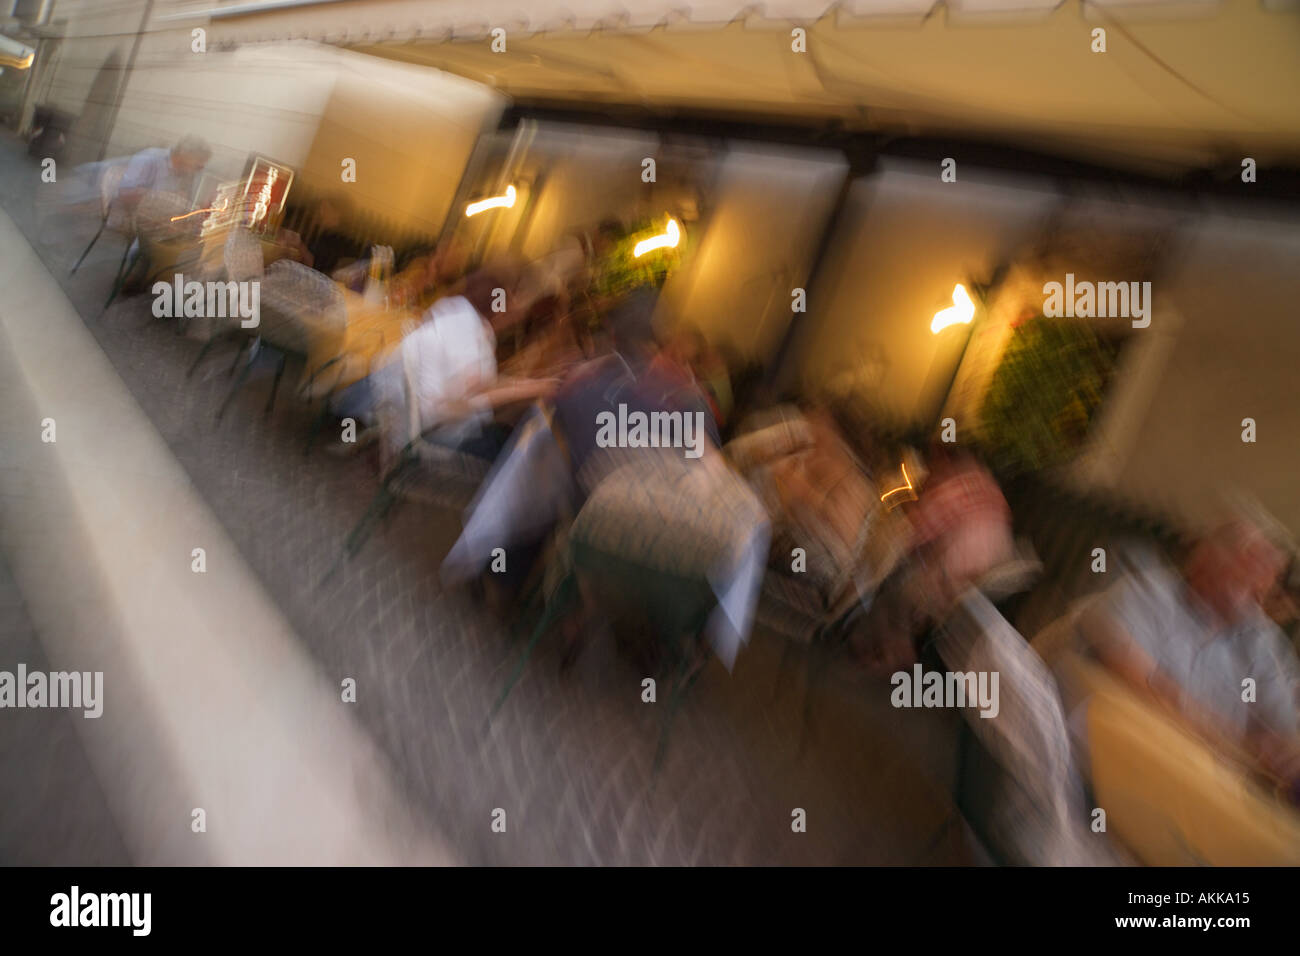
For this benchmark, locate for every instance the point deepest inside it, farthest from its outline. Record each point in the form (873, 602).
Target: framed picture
(265, 189)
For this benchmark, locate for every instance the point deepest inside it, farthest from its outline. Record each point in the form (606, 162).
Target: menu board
(266, 187)
(255, 202)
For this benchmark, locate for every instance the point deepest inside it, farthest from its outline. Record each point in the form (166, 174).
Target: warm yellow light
(906, 489)
(668, 240)
(960, 312)
(194, 213)
(496, 202)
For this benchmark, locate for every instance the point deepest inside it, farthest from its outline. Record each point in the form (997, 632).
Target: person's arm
(495, 394)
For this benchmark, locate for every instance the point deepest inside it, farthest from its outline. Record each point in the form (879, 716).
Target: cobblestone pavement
(569, 757)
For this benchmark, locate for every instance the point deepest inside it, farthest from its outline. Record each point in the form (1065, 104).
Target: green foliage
(621, 272)
(1045, 392)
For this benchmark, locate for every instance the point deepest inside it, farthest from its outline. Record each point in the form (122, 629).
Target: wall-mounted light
(15, 55)
(496, 202)
(668, 240)
(904, 492)
(960, 312)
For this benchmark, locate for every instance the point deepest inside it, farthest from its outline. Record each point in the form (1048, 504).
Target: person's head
(416, 273)
(607, 236)
(631, 325)
(687, 346)
(481, 290)
(450, 259)
(331, 211)
(1234, 567)
(190, 155)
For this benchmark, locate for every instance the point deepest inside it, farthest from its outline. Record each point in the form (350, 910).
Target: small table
(372, 330)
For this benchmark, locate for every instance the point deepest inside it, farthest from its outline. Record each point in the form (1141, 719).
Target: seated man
(689, 354)
(158, 184)
(626, 377)
(960, 529)
(451, 357)
(817, 494)
(1191, 641)
(161, 170)
(330, 247)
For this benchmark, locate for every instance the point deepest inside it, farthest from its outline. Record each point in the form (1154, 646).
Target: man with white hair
(163, 170)
(1191, 642)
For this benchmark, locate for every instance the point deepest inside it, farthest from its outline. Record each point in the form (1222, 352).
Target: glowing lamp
(496, 202)
(668, 240)
(960, 312)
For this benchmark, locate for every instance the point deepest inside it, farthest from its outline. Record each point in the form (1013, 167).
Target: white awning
(1181, 83)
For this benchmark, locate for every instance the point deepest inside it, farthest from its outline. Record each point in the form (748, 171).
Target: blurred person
(818, 496)
(600, 286)
(329, 247)
(958, 530)
(452, 358)
(661, 538)
(961, 526)
(163, 170)
(158, 185)
(554, 346)
(553, 276)
(556, 456)
(1033, 812)
(689, 353)
(1187, 641)
(427, 273)
(626, 376)
(555, 280)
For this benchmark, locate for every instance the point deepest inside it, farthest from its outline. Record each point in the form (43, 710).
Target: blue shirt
(151, 169)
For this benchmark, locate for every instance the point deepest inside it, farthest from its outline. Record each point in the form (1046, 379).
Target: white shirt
(1208, 659)
(451, 355)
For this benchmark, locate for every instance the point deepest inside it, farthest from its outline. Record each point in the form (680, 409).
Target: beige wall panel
(906, 241)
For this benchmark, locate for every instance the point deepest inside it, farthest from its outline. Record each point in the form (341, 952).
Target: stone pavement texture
(569, 757)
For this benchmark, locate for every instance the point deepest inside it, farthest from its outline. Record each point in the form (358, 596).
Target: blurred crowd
(891, 552)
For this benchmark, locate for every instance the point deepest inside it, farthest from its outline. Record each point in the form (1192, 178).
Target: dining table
(372, 329)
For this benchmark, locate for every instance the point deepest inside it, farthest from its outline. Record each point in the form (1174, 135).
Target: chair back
(108, 186)
(242, 256)
(302, 310)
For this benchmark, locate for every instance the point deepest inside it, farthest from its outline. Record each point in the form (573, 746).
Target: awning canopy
(1187, 84)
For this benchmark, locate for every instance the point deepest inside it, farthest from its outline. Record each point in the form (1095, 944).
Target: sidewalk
(570, 755)
(210, 701)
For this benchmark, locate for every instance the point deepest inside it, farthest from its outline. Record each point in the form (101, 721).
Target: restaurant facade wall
(1222, 348)
(1222, 345)
(1236, 356)
(905, 240)
(754, 214)
(770, 205)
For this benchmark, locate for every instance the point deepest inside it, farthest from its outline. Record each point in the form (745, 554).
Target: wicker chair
(644, 549)
(413, 467)
(302, 312)
(108, 184)
(241, 261)
(156, 220)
